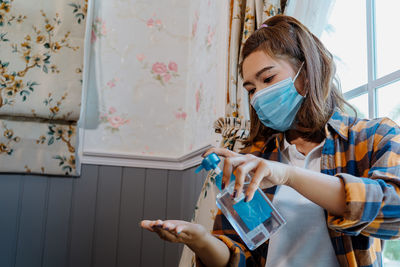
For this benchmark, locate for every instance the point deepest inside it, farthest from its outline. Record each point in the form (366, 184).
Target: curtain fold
(233, 131)
(246, 16)
(41, 63)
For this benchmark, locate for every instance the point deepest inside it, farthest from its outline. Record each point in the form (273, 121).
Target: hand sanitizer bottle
(254, 221)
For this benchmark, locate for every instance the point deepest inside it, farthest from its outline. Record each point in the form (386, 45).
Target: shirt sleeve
(373, 202)
(240, 255)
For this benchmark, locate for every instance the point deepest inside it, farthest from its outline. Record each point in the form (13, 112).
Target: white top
(304, 240)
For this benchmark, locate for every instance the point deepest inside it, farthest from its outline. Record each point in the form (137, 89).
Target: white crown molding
(153, 162)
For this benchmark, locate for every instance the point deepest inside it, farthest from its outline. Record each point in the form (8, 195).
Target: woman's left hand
(265, 173)
(177, 231)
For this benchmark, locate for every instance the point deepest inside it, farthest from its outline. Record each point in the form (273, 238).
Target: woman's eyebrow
(258, 74)
(262, 70)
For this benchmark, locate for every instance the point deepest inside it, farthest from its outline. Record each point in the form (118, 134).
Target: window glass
(388, 102)
(387, 39)
(360, 103)
(391, 253)
(348, 42)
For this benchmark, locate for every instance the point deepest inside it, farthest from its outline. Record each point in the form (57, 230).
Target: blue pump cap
(209, 163)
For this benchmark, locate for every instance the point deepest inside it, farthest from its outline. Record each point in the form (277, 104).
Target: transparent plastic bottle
(255, 221)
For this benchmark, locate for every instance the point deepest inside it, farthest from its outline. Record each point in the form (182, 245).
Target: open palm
(176, 231)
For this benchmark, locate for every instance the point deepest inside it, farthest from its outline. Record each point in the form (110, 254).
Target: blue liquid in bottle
(255, 221)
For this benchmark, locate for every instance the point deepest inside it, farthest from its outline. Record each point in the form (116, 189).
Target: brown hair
(286, 38)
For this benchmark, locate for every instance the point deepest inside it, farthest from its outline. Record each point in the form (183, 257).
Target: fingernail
(222, 185)
(234, 193)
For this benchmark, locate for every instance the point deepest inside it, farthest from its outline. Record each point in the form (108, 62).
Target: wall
(154, 82)
(93, 220)
(206, 76)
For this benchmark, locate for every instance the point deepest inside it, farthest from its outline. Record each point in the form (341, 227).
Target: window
(367, 54)
(362, 36)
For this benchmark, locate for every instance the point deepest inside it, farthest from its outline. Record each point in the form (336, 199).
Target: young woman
(335, 178)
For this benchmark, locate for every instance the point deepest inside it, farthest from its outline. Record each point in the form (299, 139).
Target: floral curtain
(245, 17)
(41, 62)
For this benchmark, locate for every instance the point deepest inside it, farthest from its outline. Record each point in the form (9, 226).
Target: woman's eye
(269, 79)
(251, 91)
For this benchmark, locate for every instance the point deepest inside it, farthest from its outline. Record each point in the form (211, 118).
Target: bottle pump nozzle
(209, 163)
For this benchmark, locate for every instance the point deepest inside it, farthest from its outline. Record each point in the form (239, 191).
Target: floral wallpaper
(152, 79)
(201, 96)
(41, 61)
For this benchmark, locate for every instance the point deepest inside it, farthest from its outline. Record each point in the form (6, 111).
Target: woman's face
(260, 71)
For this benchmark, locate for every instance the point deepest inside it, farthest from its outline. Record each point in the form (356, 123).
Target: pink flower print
(158, 22)
(112, 110)
(159, 68)
(111, 83)
(194, 28)
(194, 25)
(197, 100)
(98, 29)
(164, 74)
(116, 121)
(198, 97)
(103, 29)
(166, 77)
(172, 66)
(180, 115)
(140, 57)
(93, 37)
(210, 36)
(150, 23)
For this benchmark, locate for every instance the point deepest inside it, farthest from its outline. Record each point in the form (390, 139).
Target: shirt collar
(285, 146)
(340, 123)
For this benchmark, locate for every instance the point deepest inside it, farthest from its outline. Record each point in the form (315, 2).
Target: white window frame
(373, 83)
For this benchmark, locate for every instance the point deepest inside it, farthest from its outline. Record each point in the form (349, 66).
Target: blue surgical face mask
(278, 104)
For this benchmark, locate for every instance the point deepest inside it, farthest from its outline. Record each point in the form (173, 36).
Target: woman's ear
(301, 84)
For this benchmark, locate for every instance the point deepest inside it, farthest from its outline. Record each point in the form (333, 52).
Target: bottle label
(255, 212)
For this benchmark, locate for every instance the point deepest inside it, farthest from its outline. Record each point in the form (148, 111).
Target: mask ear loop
(298, 72)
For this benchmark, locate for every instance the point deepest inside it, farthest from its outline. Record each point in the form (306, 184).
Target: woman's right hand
(176, 231)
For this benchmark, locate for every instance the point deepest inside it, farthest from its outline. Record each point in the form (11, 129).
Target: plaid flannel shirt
(366, 157)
